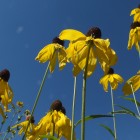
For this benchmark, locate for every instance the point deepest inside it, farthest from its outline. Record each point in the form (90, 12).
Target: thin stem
(135, 99)
(9, 127)
(84, 97)
(73, 109)
(37, 98)
(113, 110)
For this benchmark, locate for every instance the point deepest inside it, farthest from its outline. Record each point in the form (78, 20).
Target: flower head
(6, 93)
(52, 52)
(136, 14)
(134, 36)
(57, 105)
(55, 122)
(90, 45)
(112, 79)
(133, 82)
(20, 104)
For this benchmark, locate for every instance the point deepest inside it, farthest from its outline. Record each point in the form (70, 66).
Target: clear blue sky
(27, 26)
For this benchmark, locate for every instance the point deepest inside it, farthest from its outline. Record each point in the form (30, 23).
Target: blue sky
(27, 26)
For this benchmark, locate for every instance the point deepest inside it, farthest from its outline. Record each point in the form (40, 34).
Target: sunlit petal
(71, 35)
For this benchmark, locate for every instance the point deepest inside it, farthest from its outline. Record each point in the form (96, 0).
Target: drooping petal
(46, 53)
(53, 62)
(102, 44)
(91, 62)
(118, 78)
(62, 58)
(71, 35)
(104, 81)
(114, 84)
(135, 81)
(76, 70)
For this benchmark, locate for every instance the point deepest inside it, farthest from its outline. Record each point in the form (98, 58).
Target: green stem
(37, 98)
(135, 99)
(84, 97)
(114, 118)
(9, 127)
(73, 109)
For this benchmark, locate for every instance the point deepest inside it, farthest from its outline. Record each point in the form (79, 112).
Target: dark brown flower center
(56, 105)
(5, 75)
(95, 32)
(110, 71)
(63, 110)
(134, 25)
(57, 40)
(139, 6)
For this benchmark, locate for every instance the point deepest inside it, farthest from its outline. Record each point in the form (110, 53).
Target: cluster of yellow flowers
(83, 51)
(54, 123)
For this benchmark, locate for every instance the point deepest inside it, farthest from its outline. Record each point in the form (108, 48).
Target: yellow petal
(91, 62)
(46, 53)
(104, 81)
(71, 35)
(114, 84)
(102, 44)
(76, 70)
(134, 11)
(62, 58)
(53, 62)
(118, 78)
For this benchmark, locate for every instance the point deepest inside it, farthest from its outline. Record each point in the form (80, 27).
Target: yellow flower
(134, 81)
(20, 104)
(134, 36)
(136, 13)
(80, 44)
(54, 122)
(112, 79)
(23, 126)
(6, 93)
(52, 52)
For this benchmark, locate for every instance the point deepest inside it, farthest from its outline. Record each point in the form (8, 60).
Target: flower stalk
(84, 96)
(37, 98)
(73, 109)
(135, 99)
(114, 118)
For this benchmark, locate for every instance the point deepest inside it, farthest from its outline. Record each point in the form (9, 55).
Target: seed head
(95, 32)
(5, 74)
(57, 40)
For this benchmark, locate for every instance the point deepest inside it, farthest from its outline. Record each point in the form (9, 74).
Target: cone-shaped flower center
(56, 105)
(57, 40)
(110, 71)
(5, 75)
(135, 24)
(95, 32)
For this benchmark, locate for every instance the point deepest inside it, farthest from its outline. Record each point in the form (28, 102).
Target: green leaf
(87, 118)
(131, 100)
(49, 137)
(108, 129)
(126, 111)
